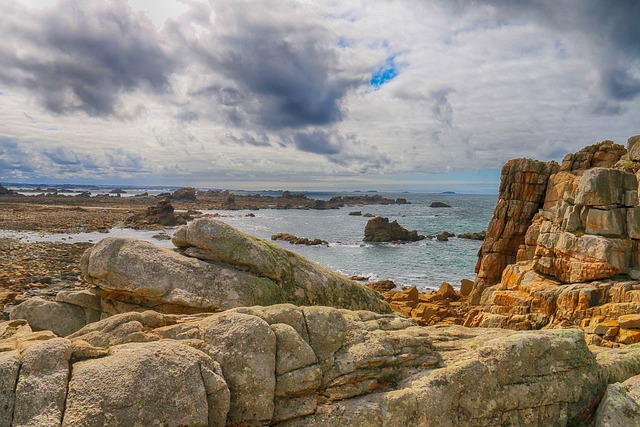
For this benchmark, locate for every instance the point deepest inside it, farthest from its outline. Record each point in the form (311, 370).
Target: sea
(424, 264)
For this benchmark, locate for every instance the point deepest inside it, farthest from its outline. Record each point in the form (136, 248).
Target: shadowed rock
(379, 229)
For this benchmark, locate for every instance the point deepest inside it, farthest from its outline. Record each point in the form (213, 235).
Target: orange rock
(400, 307)
(523, 184)
(629, 321)
(628, 336)
(603, 328)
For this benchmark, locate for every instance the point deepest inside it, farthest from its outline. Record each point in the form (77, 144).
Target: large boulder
(157, 383)
(217, 267)
(379, 229)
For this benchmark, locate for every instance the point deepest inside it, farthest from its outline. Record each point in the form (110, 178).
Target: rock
(307, 366)
(466, 286)
(523, 184)
(620, 405)
(481, 235)
(381, 286)
(604, 187)
(442, 237)
(439, 205)
(629, 321)
(294, 240)
(580, 258)
(602, 154)
(4, 191)
(42, 384)
(224, 268)
(379, 229)
(61, 318)
(186, 194)
(402, 201)
(355, 213)
(606, 222)
(368, 215)
(157, 383)
(634, 148)
(9, 368)
(161, 214)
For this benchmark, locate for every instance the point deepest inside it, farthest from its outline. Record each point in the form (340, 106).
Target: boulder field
(307, 366)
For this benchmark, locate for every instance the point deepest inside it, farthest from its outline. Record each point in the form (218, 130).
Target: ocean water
(425, 264)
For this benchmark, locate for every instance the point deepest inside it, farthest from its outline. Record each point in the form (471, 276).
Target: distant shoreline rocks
(295, 240)
(439, 205)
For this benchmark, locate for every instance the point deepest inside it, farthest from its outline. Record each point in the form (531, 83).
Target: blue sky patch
(384, 74)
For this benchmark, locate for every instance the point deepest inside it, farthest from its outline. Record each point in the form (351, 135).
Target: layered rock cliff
(576, 263)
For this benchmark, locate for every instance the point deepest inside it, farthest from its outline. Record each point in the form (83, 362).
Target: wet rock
(294, 240)
(379, 229)
(439, 205)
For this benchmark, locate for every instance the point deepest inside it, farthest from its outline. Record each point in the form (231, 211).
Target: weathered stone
(604, 187)
(523, 184)
(160, 383)
(633, 223)
(634, 148)
(573, 258)
(9, 368)
(379, 229)
(60, 318)
(139, 273)
(629, 321)
(466, 286)
(602, 154)
(292, 351)
(618, 408)
(42, 384)
(609, 222)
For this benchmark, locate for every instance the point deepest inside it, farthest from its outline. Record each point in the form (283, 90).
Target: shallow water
(425, 264)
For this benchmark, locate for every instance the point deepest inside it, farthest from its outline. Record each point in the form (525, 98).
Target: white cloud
(233, 91)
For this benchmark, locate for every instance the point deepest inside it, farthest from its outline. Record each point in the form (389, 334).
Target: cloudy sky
(310, 94)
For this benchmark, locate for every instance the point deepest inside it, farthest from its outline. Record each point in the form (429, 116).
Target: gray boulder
(158, 383)
(218, 267)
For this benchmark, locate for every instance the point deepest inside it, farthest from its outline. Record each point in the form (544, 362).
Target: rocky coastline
(229, 329)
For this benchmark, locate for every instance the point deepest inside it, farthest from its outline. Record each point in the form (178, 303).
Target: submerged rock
(379, 229)
(439, 205)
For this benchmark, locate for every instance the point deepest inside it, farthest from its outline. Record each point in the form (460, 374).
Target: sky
(430, 95)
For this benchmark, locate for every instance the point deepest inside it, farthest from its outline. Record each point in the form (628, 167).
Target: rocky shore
(229, 329)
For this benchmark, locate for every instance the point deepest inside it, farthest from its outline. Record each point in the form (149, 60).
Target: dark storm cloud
(278, 73)
(81, 56)
(319, 142)
(343, 150)
(33, 159)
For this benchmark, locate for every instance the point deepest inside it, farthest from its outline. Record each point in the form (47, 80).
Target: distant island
(448, 192)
